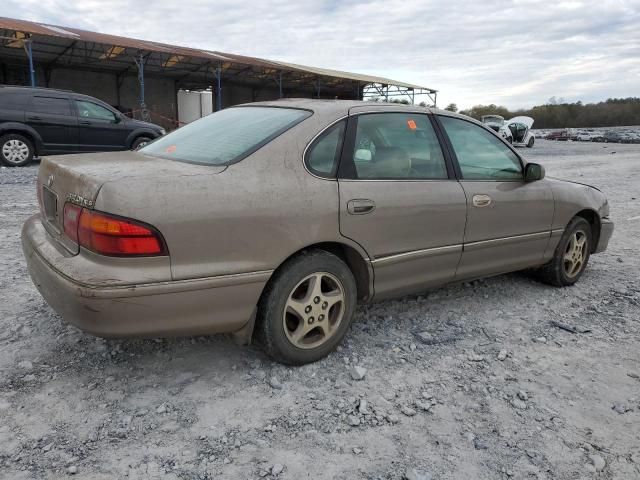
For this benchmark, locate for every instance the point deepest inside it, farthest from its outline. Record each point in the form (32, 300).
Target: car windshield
(225, 137)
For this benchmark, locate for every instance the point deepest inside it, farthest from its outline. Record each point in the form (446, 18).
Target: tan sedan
(273, 220)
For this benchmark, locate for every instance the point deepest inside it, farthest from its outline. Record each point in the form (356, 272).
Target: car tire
(140, 142)
(530, 142)
(15, 150)
(571, 255)
(307, 307)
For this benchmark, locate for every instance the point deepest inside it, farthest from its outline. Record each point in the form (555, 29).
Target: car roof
(21, 89)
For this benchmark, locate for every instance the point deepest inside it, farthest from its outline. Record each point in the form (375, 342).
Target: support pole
(280, 84)
(318, 83)
(413, 97)
(32, 73)
(143, 106)
(218, 88)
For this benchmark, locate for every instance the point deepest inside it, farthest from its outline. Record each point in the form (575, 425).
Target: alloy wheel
(15, 151)
(575, 254)
(314, 310)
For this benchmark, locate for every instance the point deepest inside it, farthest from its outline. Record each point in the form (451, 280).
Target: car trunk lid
(78, 178)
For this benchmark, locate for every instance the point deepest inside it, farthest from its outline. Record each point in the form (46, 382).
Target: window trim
(347, 169)
(454, 157)
(319, 136)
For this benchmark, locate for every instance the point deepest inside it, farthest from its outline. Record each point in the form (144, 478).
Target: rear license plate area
(50, 204)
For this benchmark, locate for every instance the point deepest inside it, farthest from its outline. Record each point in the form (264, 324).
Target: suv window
(12, 101)
(94, 111)
(480, 154)
(397, 146)
(322, 156)
(51, 105)
(226, 136)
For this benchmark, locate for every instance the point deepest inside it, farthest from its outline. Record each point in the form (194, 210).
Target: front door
(508, 219)
(100, 129)
(400, 201)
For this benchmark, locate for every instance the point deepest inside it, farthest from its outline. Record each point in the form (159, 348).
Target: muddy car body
(332, 203)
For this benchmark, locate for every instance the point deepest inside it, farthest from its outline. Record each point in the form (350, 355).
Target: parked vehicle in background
(597, 136)
(612, 136)
(519, 131)
(279, 217)
(583, 136)
(560, 135)
(43, 121)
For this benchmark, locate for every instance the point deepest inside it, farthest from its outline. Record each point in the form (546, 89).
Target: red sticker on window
(412, 125)
(170, 149)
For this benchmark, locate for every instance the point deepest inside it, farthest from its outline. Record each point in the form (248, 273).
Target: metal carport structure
(40, 54)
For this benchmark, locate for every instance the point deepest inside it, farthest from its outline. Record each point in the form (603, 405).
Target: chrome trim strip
(414, 254)
(557, 231)
(498, 241)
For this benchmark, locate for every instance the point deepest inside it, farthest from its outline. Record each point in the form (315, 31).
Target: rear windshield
(226, 136)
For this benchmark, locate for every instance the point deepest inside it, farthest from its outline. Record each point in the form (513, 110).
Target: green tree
(452, 107)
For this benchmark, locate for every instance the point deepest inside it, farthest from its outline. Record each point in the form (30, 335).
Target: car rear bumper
(606, 230)
(186, 307)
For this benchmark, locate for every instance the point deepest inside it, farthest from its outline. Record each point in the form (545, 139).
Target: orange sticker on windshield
(412, 124)
(171, 149)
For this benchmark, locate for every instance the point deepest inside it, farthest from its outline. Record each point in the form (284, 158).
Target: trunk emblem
(50, 181)
(79, 200)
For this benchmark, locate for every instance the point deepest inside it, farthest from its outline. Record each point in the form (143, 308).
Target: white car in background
(516, 131)
(583, 136)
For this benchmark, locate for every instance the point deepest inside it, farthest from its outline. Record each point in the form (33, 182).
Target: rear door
(100, 128)
(400, 202)
(51, 116)
(508, 219)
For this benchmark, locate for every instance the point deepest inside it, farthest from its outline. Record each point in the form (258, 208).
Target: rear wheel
(15, 150)
(571, 255)
(307, 308)
(140, 142)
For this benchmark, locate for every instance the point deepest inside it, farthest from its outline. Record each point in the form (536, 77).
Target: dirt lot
(495, 392)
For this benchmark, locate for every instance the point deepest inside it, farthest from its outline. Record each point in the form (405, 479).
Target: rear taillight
(110, 235)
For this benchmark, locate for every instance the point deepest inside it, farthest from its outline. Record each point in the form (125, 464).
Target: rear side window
(226, 136)
(397, 146)
(322, 156)
(51, 105)
(12, 101)
(480, 154)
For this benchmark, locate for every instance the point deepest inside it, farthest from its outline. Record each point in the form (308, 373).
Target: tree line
(556, 113)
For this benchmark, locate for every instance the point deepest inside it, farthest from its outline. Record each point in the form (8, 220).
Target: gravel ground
(467, 381)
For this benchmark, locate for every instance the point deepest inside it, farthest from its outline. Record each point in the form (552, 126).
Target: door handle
(85, 122)
(34, 118)
(481, 200)
(360, 206)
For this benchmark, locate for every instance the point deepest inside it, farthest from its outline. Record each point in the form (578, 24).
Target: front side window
(94, 111)
(322, 156)
(51, 105)
(397, 146)
(226, 136)
(480, 154)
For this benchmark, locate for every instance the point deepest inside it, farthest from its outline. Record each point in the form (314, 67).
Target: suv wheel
(15, 150)
(140, 142)
(307, 308)
(531, 142)
(571, 256)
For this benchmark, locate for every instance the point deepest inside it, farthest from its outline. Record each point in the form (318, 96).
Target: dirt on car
(500, 378)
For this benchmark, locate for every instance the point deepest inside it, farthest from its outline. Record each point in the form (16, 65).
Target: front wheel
(530, 142)
(15, 150)
(571, 255)
(307, 308)
(140, 142)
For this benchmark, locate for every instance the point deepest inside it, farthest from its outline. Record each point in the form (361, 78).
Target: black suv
(43, 121)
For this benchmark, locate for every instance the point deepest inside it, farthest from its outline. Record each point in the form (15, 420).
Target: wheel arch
(25, 131)
(133, 136)
(593, 218)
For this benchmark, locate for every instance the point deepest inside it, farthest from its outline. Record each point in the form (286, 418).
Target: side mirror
(118, 118)
(533, 172)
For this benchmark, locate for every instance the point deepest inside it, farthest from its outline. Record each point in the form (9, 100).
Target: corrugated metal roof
(76, 34)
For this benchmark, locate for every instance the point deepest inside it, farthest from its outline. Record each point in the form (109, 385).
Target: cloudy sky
(515, 53)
